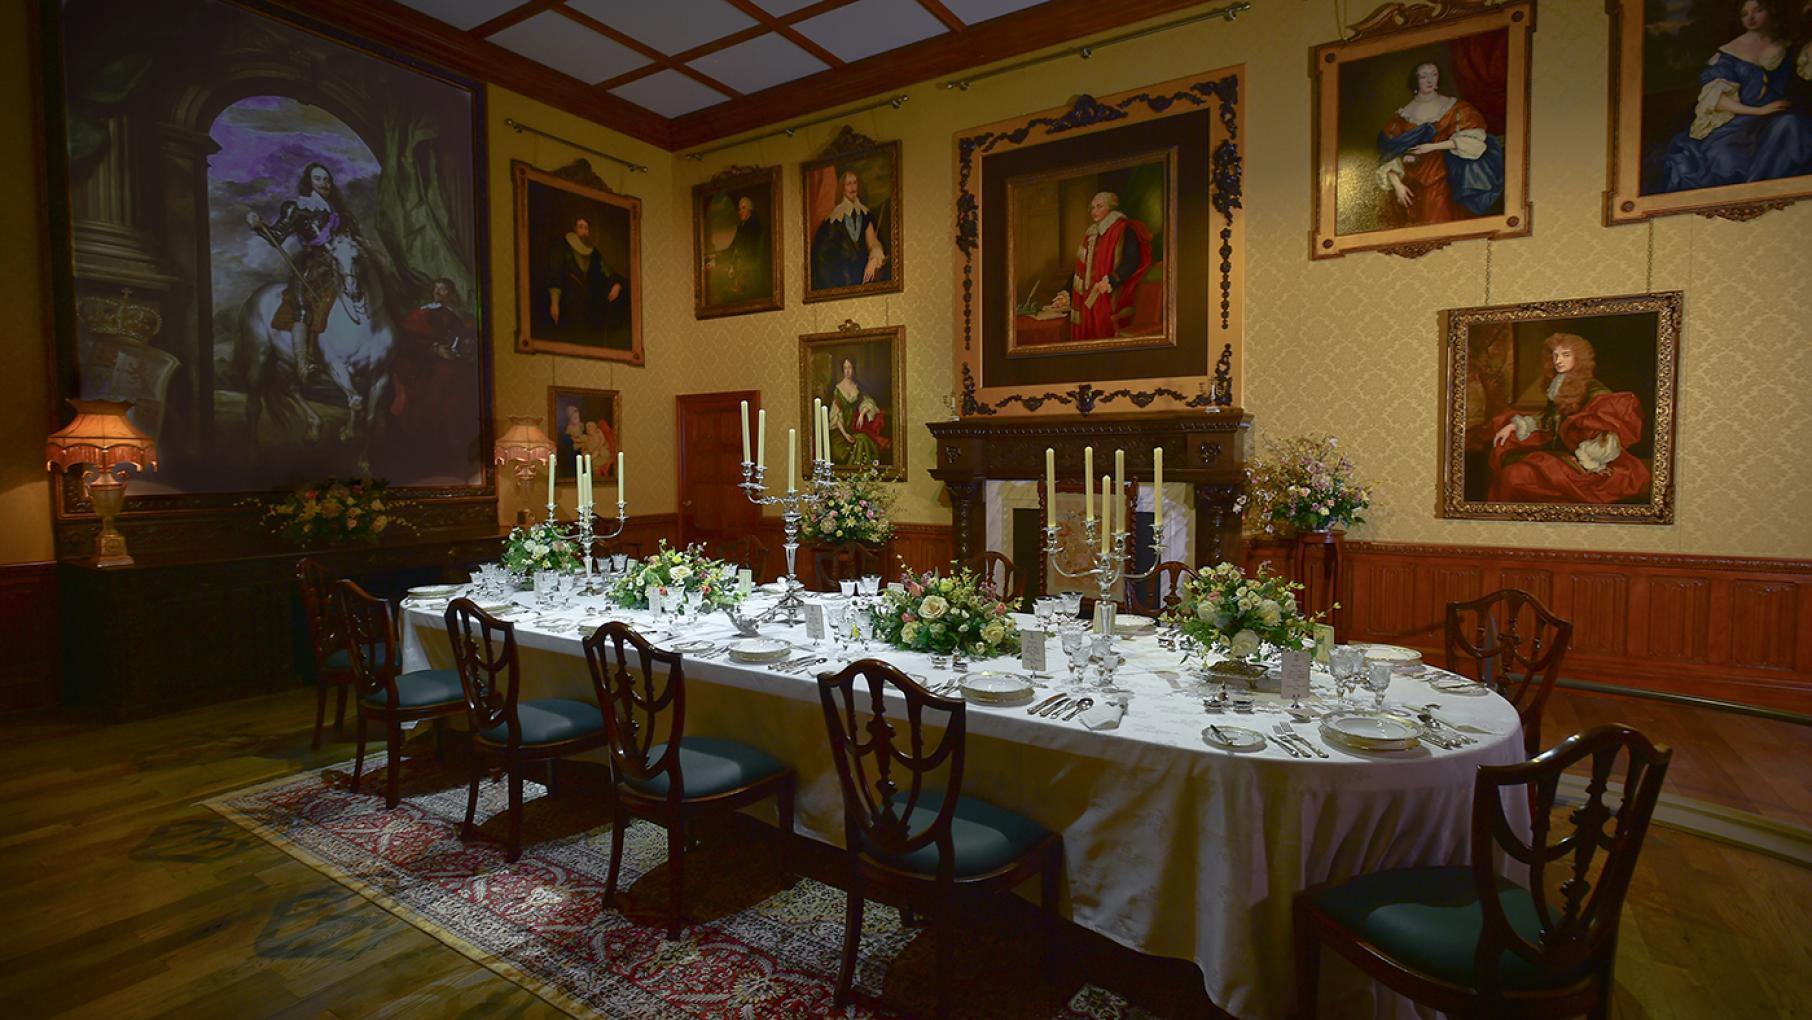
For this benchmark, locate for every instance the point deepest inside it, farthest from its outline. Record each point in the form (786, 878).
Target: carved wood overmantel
(1205, 451)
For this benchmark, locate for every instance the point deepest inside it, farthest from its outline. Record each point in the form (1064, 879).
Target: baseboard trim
(1745, 829)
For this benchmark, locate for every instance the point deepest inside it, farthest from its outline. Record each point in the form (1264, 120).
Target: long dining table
(1172, 846)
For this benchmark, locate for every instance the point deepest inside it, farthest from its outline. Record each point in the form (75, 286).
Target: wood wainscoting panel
(1766, 620)
(1679, 617)
(1598, 604)
(1384, 600)
(28, 603)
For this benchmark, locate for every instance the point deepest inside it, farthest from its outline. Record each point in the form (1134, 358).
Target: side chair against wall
(845, 561)
(1511, 643)
(997, 569)
(660, 773)
(1467, 942)
(386, 694)
(1158, 593)
(321, 611)
(748, 551)
(508, 732)
(904, 835)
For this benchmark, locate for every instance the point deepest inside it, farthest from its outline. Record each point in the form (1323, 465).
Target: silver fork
(1283, 730)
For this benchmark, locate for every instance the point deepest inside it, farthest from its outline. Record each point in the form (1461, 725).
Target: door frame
(681, 403)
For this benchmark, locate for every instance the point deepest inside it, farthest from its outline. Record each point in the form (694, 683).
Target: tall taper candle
(581, 480)
(1157, 485)
(1050, 487)
(1119, 474)
(1088, 483)
(792, 460)
(620, 497)
(824, 427)
(761, 438)
(1107, 514)
(818, 450)
(745, 432)
(550, 479)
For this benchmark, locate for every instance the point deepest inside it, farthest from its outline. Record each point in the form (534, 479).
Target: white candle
(620, 497)
(824, 427)
(589, 478)
(792, 459)
(550, 479)
(761, 440)
(1050, 487)
(1157, 485)
(579, 487)
(745, 435)
(1088, 483)
(819, 448)
(1119, 473)
(1107, 515)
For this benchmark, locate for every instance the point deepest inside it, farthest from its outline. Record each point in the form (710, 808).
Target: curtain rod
(891, 102)
(519, 127)
(1227, 13)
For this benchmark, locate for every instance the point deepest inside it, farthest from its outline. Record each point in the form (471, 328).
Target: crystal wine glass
(1377, 679)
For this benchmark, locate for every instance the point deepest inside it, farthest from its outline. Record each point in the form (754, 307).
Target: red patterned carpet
(757, 948)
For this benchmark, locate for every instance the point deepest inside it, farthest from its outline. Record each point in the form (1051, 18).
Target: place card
(745, 581)
(1294, 674)
(814, 621)
(1324, 643)
(1031, 650)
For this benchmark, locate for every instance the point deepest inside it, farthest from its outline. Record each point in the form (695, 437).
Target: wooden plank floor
(124, 898)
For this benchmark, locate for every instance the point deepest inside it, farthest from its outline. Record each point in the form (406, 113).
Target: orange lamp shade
(100, 435)
(522, 441)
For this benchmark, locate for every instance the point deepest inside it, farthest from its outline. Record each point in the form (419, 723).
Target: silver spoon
(1082, 705)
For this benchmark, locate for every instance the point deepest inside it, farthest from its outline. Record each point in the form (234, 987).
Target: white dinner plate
(693, 647)
(759, 649)
(1393, 654)
(1132, 626)
(988, 687)
(1371, 731)
(1233, 738)
(431, 590)
(1453, 683)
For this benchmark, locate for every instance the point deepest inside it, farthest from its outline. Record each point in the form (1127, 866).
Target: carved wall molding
(1394, 16)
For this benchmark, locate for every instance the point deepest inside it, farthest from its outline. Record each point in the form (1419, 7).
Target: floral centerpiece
(541, 547)
(1303, 484)
(857, 508)
(671, 570)
(1228, 612)
(936, 614)
(334, 511)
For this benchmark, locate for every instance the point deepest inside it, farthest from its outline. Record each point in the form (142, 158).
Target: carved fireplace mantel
(1205, 451)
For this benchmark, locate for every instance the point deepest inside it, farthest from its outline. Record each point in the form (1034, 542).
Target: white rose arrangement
(1224, 610)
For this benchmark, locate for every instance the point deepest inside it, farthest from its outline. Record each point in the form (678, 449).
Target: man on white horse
(316, 219)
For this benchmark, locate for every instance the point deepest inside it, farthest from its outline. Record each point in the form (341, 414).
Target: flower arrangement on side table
(858, 508)
(1224, 610)
(1303, 484)
(941, 615)
(541, 547)
(669, 570)
(334, 511)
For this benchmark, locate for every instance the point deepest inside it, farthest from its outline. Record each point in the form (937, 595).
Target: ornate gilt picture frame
(736, 251)
(1422, 129)
(585, 421)
(1562, 410)
(1700, 107)
(860, 374)
(853, 207)
(578, 265)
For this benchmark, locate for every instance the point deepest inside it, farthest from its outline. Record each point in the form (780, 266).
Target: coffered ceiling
(682, 72)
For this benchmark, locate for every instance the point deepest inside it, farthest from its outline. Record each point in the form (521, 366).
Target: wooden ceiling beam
(661, 61)
(943, 14)
(514, 16)
(788, 32)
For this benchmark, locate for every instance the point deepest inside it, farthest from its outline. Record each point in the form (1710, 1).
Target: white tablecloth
(1171, 847)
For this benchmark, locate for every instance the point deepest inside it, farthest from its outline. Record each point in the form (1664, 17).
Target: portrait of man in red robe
(1577, 450)
(1111, 260)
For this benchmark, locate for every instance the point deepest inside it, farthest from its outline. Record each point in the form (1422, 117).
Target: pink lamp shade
(523, 441)
(100, 435)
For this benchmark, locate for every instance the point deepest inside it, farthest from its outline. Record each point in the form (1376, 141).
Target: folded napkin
(1105, 716)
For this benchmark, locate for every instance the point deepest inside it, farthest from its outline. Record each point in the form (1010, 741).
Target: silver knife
(1053, 698)
(1306, 745)
(1288, 747)
(1054, 706)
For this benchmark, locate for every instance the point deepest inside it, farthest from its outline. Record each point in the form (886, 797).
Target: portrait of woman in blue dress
(1752, 121)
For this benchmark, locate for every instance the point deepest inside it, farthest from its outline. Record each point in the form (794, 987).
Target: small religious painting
(1422, 128)
(578, 265)
(852, 219)
(735, 246)
(1562, 410)
(585, 422)
(860, 374)
(1091, 248)
(1711, 107)
(1068, 570)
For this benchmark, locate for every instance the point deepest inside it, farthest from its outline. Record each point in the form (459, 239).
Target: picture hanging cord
(1227, 13)
(1487, 271)
(1649, 285)
(519, 127)
(893, 102)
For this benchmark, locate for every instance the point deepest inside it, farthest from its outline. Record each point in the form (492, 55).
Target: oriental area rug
(755, 947)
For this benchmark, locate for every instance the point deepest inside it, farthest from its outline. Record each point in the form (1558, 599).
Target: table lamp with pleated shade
(106, 446)
(523, 448)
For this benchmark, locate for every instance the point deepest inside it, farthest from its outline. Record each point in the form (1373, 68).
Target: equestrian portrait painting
(293, 223)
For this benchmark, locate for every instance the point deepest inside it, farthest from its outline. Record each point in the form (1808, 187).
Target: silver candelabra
(792, 502)
(583, 533)
(1110, 566)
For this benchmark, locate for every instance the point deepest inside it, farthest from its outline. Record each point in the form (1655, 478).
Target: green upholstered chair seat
(421, 688)
(984, 837)
(709, 766)
(550, 721)
(340, 658)
(1430, 919)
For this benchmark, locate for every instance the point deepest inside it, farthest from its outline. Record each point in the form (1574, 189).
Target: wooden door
(712, 508)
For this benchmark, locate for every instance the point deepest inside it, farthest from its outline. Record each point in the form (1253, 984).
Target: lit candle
(621, 499)
(819, 452)
(745, 433)
(1107, 515)
(792, 459)
(1157, 484)
(761, 439)
(1119, 473)
(1050, 487)
(1088, 483)
(550, 479)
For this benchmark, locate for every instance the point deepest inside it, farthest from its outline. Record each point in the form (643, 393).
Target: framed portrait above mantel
(1422, 128)
(1562, 410)
(578, 264)
(1711, 108)
(1101, 253)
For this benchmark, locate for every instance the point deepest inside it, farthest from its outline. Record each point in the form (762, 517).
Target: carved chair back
(845, 561)
(321, 609)
(484, 652)
(641, 708)
(748, 551)
(1515, 646)
(884, 782)
(997, 569)
(370, 641)
(1578, 878)
(1158, 593)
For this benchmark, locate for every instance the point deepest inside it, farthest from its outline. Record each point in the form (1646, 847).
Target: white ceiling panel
(667, 25)
(669, 93)
(462, 14)
(868, 27)
(779, 8)
(760, 63)
(569, 47)
(972, 11)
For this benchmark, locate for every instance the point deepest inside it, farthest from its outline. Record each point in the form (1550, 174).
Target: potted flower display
(857, 508)
(674, 570)
(940, 615)
(334, 512)
(1301, 485)
(540, 547)
(1227, 612)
